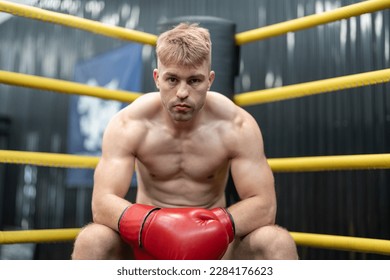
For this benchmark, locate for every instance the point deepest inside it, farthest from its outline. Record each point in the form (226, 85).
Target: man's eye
(194, 81)
(171, 80)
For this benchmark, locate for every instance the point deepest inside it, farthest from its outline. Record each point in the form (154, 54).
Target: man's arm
(253, 179)
(114, 172)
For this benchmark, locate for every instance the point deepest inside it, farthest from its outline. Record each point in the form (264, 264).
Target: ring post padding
(224, 50)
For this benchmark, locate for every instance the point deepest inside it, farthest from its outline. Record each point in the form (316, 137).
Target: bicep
(254, 183)
(250, 170)
(115, 169)
(113, 175)
(253, 177)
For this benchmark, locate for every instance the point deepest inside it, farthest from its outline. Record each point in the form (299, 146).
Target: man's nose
(182, 91)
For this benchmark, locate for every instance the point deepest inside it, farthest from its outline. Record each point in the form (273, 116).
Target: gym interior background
(345, 122)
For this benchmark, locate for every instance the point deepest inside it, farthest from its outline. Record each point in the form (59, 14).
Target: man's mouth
(182, 107)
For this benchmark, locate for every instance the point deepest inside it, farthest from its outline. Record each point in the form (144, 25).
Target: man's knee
(273, 242)
(96, 241)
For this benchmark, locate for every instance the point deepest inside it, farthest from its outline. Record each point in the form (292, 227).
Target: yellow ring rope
(344, 243)
(311, 88)
(328, 163)
(243, 99)
(48, 159)
(79, 23)
(38, 235)
(335, 242)
(311, 21)
(241, 38)
(62, 86)
(293, 164)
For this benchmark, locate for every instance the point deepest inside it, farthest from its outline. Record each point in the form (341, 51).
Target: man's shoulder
(225, 109)
(143, 107)
(221, 105)
(137, 113)
(235, 121)
(132, 121)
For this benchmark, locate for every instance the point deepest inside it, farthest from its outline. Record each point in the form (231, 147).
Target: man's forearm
(250, 214)
(107, 209)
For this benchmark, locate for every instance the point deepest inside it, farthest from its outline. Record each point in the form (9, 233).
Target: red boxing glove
(186, 234)
(226, 219)
(130, 224)
(176, 233)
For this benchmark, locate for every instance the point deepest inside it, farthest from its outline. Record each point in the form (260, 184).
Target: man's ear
(211, 78)
(155, 77)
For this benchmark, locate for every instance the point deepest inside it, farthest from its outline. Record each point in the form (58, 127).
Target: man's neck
(183, 128)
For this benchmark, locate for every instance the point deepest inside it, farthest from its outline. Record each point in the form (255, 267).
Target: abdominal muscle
(181, 191)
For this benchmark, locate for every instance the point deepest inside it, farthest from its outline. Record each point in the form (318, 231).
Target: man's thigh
(237, 250)
(268, 242)
(98, 242)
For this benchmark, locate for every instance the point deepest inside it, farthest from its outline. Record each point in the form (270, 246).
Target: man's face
(183, 89)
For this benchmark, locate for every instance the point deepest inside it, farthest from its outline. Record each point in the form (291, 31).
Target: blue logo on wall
(89, 116)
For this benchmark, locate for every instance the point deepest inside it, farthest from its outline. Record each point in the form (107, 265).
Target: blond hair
(185, 45)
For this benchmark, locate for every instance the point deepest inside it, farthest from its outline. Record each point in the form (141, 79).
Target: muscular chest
(198, 156)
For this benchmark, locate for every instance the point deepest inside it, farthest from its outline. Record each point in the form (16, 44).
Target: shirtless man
(182, 141)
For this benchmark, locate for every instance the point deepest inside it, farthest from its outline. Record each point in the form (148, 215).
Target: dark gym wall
(351, 121)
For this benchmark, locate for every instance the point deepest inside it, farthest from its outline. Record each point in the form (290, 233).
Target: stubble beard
(181, 117)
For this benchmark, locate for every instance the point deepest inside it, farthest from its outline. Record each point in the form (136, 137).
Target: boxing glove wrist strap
(231, 220)
(132, 220)
(143, 224)
(121, 216)
(226, 219)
